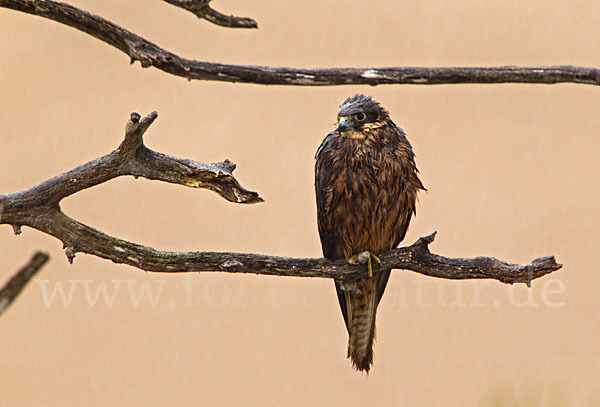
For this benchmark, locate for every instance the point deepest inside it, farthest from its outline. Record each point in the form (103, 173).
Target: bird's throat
(353, 134)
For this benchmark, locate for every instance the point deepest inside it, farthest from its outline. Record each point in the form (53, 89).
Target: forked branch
(38, 207)
(132, 157)
(150, 54)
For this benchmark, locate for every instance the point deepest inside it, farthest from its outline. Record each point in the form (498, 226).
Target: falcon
(366, 184)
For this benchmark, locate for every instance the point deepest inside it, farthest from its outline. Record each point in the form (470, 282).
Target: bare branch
(132, 157)
(38, 207)
(202, 9)
(150, 54)
(13, 288)
(77, 237)
(417, 257)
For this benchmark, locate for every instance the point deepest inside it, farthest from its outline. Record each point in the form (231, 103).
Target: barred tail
(362, 335)
(361, 326)
(359, 308)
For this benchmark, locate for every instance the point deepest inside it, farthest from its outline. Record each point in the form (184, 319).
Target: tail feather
(361, 338)
(362, 307)
(359, 309)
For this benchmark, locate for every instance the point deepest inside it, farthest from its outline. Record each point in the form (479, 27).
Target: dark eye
(360, 117)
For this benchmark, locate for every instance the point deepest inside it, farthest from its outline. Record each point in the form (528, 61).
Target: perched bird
(366, 183)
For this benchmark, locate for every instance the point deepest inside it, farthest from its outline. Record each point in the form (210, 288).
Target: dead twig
(17, 283)
(150, 54)
(38, 207)
(202, 9)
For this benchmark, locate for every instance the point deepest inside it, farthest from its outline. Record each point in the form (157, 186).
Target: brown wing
(324, 178)
(326, 200)
(403, 189)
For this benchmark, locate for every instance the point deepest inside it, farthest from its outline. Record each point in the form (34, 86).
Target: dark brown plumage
(366, 183)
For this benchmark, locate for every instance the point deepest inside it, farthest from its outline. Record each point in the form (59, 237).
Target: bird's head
(358, 115)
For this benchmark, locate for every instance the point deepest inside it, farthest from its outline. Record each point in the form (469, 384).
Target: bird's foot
(365, 257)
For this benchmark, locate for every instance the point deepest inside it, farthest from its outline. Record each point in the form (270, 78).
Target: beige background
(512, 172)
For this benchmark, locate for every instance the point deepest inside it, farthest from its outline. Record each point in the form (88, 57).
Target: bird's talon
(365, 257)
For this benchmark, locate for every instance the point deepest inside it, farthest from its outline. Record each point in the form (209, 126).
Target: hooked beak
(343, 124)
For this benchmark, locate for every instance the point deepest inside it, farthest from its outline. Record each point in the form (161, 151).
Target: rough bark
(39, 207)
(150, 54)
(132, 157)
(202, 9)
